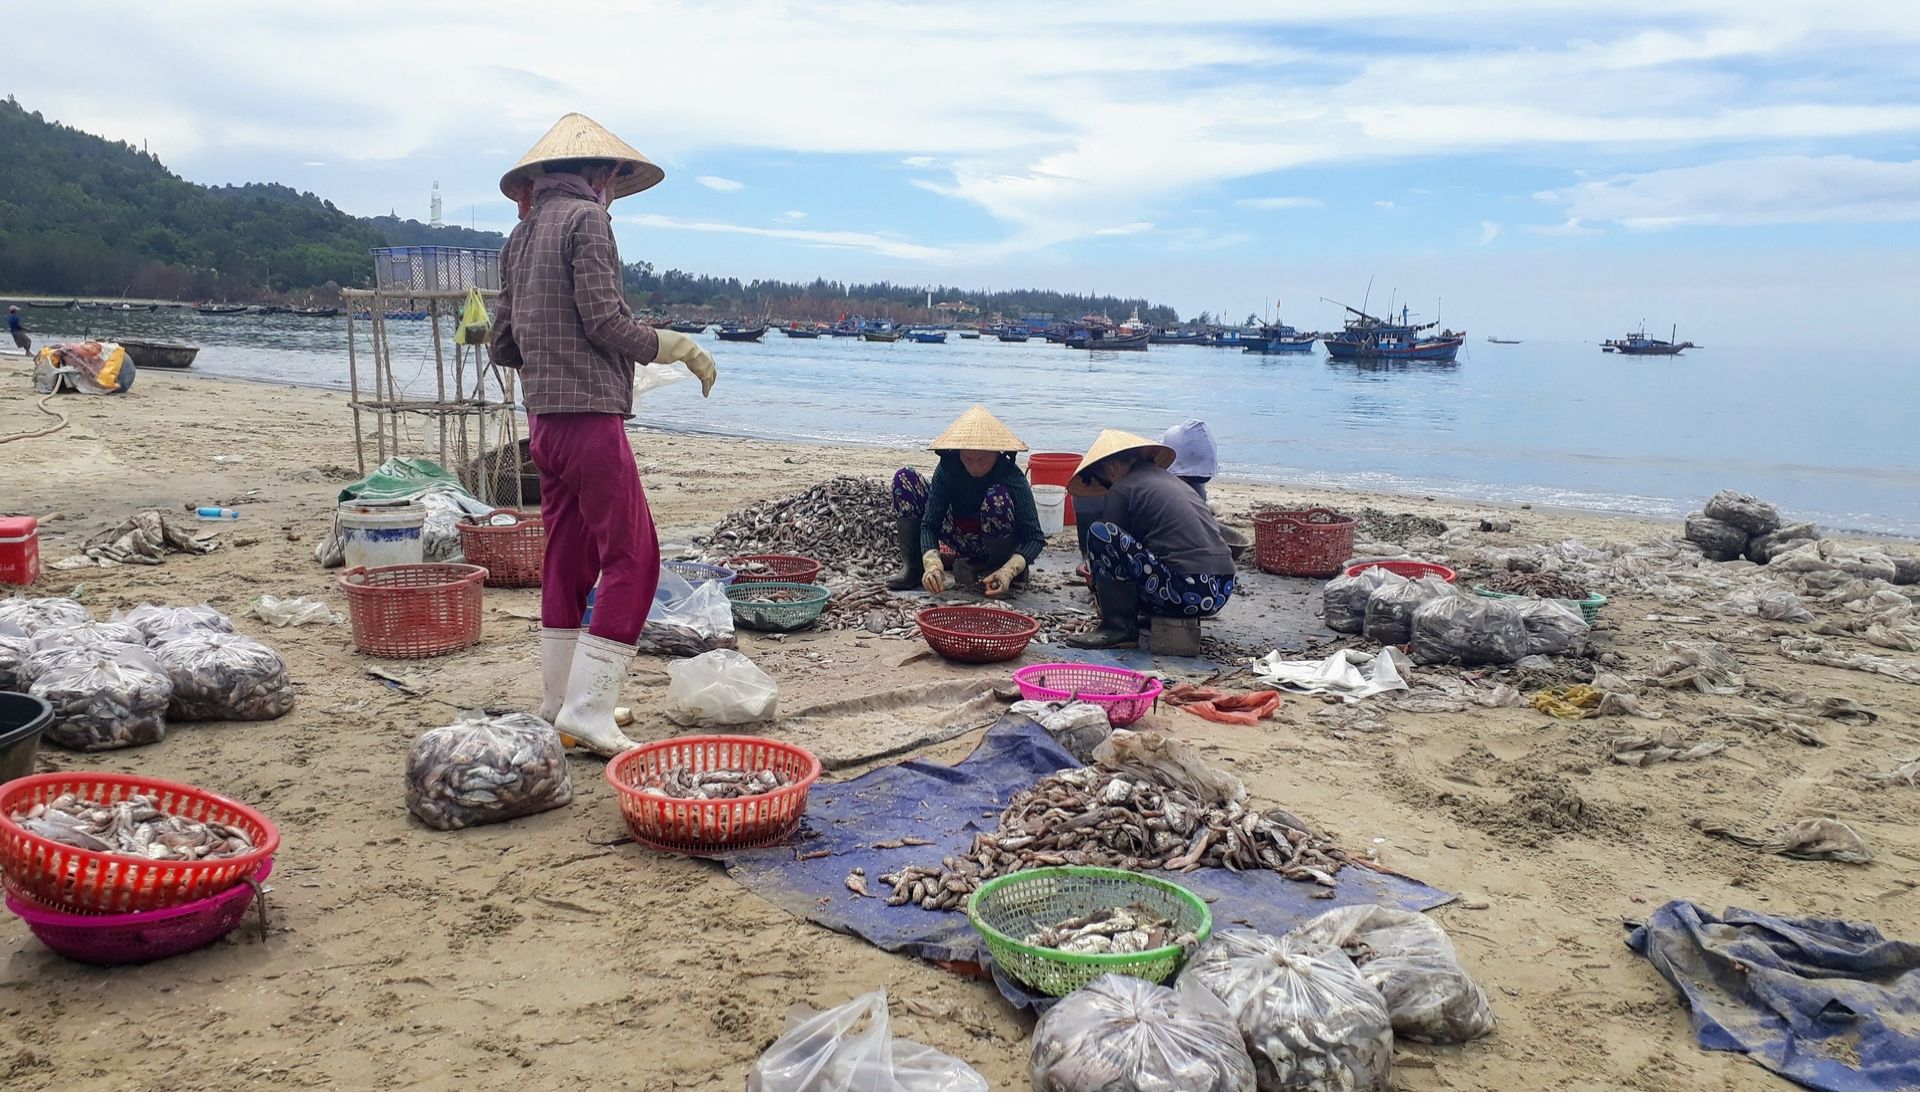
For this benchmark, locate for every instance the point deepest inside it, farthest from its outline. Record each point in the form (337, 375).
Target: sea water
(1827, 436)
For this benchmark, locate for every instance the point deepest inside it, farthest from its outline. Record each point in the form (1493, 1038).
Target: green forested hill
(82, 215)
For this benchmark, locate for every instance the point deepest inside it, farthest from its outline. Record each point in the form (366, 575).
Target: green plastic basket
(1589, 607)
(759, 614)
(1007, 909)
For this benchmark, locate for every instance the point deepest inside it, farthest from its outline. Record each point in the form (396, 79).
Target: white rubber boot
(556, 663)
(593, 687)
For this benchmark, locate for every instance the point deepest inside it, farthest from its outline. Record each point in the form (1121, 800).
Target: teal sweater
(953, 491)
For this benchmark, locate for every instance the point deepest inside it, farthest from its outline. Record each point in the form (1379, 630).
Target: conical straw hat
(977, 430)
(575, 137)
(1110, 443)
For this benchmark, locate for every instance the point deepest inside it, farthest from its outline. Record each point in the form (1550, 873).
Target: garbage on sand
(1815, 838)
(1349, 674)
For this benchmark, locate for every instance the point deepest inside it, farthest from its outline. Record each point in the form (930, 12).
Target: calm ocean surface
(1825, 435)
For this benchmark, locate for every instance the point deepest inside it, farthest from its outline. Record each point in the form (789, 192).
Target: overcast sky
(1747, 169)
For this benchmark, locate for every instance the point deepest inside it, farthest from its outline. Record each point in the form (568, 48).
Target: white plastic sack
(831, 1051)
(108, 697)
(1410, 960)
(1389, 617)
(1349, 675)
(154, 622)
(687, 620)
(483, 769)
(1344, 599)
(648, 377)
(224, 677)
(35, 615)
(1079, 727)
(1468, 630)
(292, 611)
(721, 688)
(1119, 1033)
(14, 647)
(1554, 627)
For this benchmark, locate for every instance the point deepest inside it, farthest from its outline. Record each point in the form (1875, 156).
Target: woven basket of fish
(976, 635)
(510, 545)
(712, 793)
(1125, 696)
(98, 842)
(762, 605)
(774, 567)
(143, 937)
(1054, 929)
(414, 611)
(697, 573)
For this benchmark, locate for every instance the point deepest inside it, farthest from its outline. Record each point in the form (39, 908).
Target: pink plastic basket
(1125, 696)
(140, 937)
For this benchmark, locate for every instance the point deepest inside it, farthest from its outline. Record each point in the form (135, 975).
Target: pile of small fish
(1097, 817)
(132, 826)
(483, 769)
(1117, 930)
(1546, 586)
(844, 522)
(778, 595)
(684, 782)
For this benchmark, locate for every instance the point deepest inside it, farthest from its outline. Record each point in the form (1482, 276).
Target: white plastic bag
(1554, 627)
(106, 697)
(1119, 1033)
(1409, 959)
(1389, 617)
(154, 622)
(224, 677)
(1468, 630)
(830, 1052)
(14, 647)
(1079, 727)
(648, 377)
(35, 615)
(687, 620)
(721, 688)
(292, 611)
(1343, 601)
(481, 769)
(1310, 1021)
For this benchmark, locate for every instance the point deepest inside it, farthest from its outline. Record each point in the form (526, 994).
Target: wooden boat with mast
(1639, 343)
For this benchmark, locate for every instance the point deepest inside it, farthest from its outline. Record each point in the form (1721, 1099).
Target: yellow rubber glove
(933, 572)
(1000, 581)
(678, 347)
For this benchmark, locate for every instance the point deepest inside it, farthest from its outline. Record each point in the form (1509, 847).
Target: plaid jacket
(560, 316)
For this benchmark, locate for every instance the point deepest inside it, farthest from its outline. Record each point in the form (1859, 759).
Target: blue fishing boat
(1013, 334)
(1370, 338)
(691, 327)
(1276, 339)
(1639, 343)
(926, 336)
(800, 332)
(744, 334)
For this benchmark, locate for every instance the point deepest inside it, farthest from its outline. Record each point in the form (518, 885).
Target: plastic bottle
(209, 512)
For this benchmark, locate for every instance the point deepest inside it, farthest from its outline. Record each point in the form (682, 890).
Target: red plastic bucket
(1054, 468)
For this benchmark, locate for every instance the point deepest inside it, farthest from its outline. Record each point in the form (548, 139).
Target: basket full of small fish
(711, 793)
(771, 605)
(1055, 929)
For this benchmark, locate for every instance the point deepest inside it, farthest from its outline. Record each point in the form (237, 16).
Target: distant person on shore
(1157, 546)
(17, 328)
(562, 320)
(978, 502)
(1195, 458)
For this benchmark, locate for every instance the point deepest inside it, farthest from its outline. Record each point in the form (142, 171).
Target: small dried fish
(1120, 930)
(856, 881)
(844, 522)
(132, 826)
(1546, 586)
(485, 769)
(715, 783)
(903, 842)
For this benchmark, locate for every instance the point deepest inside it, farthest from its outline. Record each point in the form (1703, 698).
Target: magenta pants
(598, 525)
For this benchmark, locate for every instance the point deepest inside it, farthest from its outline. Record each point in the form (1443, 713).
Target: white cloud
(1753, 191)
(1384, 204)
(718, 183)
(916, 162)
(794, 216)
(1126, 230)
(1488, 231)
(878, 243)
(1569, 228)
(313, 164)
(1280, 202)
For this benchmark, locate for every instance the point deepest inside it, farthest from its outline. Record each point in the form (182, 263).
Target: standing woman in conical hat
(1156, 547)
(978, 502)
(562, 320)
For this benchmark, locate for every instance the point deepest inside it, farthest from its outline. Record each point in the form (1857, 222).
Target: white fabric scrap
(1348, 675)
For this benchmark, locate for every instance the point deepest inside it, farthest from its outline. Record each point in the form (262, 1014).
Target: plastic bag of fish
(1119, 1033)
(156, 623)
(106, 697)
(35, 615)
(1409, 959)
(1468, 630)
(1310, 1021)
(483, 769)
(14, 648)
(1344, 600)
(224, 677)
(1390, 608)
(1554, 627)
(687, 620)
(830, 1051)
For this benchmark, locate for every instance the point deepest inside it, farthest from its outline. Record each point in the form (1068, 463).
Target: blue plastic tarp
(947, 805)
(1828, 1004)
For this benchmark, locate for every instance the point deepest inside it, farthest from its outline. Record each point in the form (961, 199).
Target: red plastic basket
(141, 937)
(779, 567)
(976, 635)
(75, 880)
(708, 826)
(511, 553)
(1412, 570)
(1125, 696)
(413, 611)
(1314, 542)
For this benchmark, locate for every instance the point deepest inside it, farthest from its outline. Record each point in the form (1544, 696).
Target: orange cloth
(1230, 708)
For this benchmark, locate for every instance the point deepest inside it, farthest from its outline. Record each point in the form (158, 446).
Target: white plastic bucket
(382, 534)
(1051, 501)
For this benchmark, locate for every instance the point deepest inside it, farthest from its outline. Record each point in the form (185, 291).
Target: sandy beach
(540, 954)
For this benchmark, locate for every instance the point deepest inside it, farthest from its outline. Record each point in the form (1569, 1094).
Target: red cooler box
(19, 550)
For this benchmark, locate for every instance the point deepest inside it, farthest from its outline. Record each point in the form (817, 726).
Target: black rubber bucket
(22, 717)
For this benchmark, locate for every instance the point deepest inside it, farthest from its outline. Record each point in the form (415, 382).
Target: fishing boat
(1013, 334)
(693, 327)
(1107, 341)
(391, 315)
(1639, 343)
(159, 355)
(130, 307)
(881, 335)
(1497, 340)
(68, 304)
(969, 334)
(926, 336)
(1224, 339)
(317, 311)
(92, 305)
(269, 311)
(845, 328)
(1177, 338)
(741, 333)
(218, 311)
(1370, 338)
(1276, 339)
(800, 332)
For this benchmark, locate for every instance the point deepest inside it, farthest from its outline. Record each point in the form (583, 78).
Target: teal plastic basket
(1007, 909)
(1589, 607)
(753, 611)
